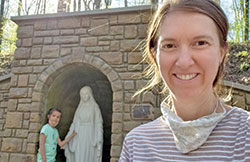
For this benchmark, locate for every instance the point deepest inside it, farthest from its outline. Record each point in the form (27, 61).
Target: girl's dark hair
(51, 110)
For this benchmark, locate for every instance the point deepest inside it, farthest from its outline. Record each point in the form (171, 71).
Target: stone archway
(69, 67)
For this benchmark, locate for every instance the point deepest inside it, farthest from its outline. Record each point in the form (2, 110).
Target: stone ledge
(4, 77)
(236, 85)
(83, 13)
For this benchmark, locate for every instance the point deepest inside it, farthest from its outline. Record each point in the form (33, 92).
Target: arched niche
(64, 94)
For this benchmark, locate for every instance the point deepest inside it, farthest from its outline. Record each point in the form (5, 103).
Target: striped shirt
(154, 142)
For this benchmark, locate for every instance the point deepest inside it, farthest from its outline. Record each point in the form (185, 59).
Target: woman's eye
(201, 43)
(168, 46)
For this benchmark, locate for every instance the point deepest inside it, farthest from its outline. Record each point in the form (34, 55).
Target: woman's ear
(223, 52)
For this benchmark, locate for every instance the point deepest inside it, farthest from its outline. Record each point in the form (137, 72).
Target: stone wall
(4, 95)
(48, 44)
(105, 40)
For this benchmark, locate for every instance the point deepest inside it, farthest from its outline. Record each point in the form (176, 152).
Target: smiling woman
(186, 48)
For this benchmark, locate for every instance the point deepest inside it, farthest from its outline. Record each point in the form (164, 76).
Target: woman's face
(85, 95)
(189, 53)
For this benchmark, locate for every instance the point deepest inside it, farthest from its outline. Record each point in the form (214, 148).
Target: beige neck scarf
(190, 135)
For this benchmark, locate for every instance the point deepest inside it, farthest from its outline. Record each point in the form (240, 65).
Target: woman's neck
(195, 108)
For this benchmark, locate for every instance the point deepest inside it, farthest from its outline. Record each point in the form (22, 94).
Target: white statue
(86, 146)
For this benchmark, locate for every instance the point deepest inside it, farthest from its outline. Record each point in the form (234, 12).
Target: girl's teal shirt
(51, 143)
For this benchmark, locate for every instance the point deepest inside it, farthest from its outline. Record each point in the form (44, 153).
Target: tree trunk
(126, 3)
(246, 20)
(1, 20)
(19, 7)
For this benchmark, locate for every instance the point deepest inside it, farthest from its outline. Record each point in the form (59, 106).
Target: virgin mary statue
(86, 146)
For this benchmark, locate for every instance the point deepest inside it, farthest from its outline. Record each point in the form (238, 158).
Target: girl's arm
(42, 147)
(66, 140)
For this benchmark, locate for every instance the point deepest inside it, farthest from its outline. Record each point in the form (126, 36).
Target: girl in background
(49, 137)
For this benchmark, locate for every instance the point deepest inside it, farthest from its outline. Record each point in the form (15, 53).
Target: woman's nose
(185, 58)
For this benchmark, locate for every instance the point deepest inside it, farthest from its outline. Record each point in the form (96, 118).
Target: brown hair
(206, 7)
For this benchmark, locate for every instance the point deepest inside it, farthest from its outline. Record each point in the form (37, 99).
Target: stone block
(32, 79)
(48, 40)
(35, 127)
(67, 32)
(11, 145)
(116, 30)
(4, 157)
(35, 117)
(40, 25)
(7, 133)
(12, 105)
(129, 45)
(113, 58)
(46, 33)
(50, 51)
(104, 43)
(24, 107)
(89, 41)
(66, 39)
(26, 124)
(80, 31)
(129, 19)
(35, 62)
(117, 128)
(31, 148)
(142, 31)
(51, 24)
(69, 23)
(116, 85)
(22, 53)
(85, 22)
(18, 92)
(130, 31)
(117, 107)
(33, 137)
(35, 52)
(23, 80)
(117, 117)
(128, 98)
(129, 85)
(99, 27)
(14, 120)
(37, 41)
(126, 117)
(129, 125)
(26, 115)
(113, 19)
(94, 49)
(1, 113)
(134, 57)
(116, 139)
(115, 151)
(149, 97)
(27, 42)
(22, 133)
(238, 101)
(65, 51)
(118, 96)
(248, 98)
(22, 158)
(25, 31)
(22, 70)
(39, 69)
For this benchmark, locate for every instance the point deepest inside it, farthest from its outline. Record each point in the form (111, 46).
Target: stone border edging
(4, 77)
(236, 85)
(83, 13)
